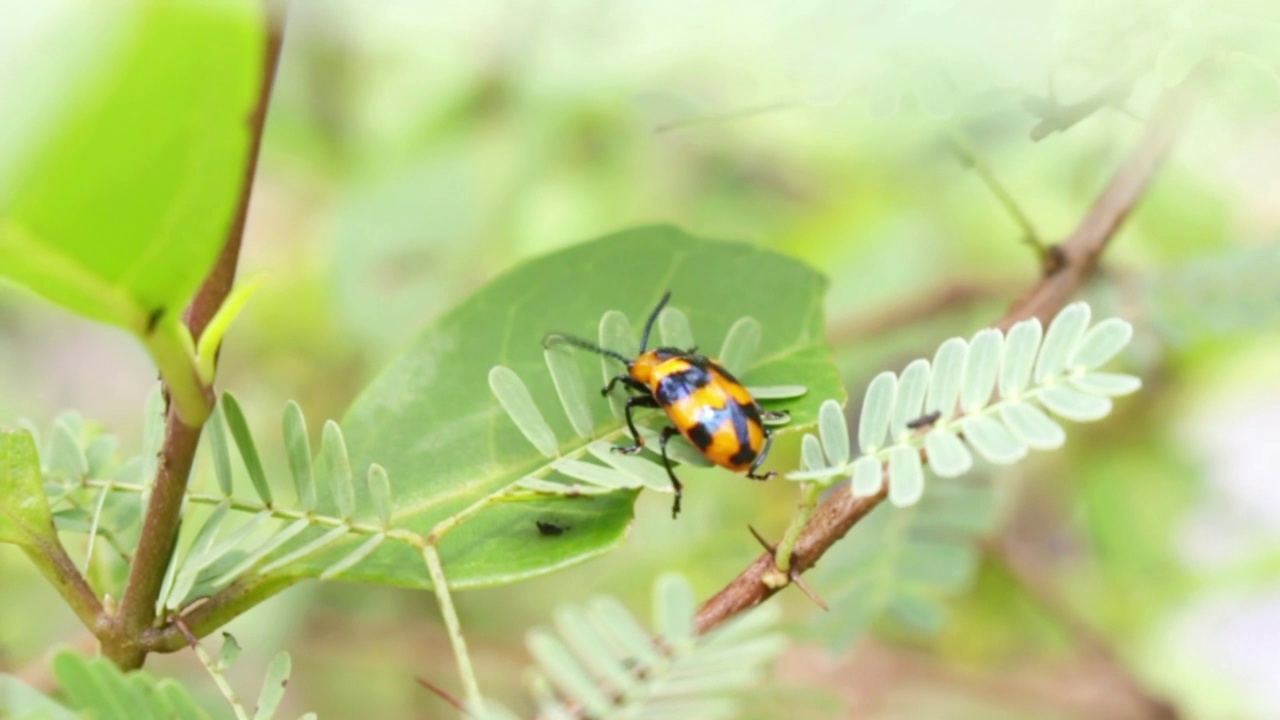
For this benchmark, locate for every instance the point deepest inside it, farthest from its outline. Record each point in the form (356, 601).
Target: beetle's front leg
(635, 401)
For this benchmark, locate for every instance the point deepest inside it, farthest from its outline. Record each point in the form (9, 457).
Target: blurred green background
(415, 150)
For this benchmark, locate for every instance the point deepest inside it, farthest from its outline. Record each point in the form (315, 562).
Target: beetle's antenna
(578, 342)
(648, 325)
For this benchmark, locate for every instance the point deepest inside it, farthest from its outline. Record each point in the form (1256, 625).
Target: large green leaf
(24, 511)
(432, 422)
(118, 186)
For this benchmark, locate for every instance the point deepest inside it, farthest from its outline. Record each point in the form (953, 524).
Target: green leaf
(741, 344)
(980, 369)
(230, 651)
(909, 404)
(116, 203)
(215, 431)
(1073, 404)
(948, 457)
(906, 476)
(273, 686)
(337, 469)
(992, 440)
(1101, 343)
(97, 688)
(1020, 348)
(244, 443)
(877, 406)
(811, 452)
(432, 422)
(380, 492)
(514, 397)
(674, 606)
(868, 476)
(24, 511)
(1032, 426)
(569, 387)
(1061, 340)
(298, 447)
(834, 432)
(948, 374)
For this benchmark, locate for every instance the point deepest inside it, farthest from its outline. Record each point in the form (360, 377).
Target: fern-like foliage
(601, 663)
(986, 396)
(96, 688)
(92, 494)
(905, 564)
(594, 468)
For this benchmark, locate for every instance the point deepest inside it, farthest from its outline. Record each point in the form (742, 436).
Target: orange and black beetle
(704, 402)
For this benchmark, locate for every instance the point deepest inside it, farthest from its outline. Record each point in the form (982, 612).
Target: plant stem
(441, 587)
(215, 671)
(61, 572)
(808, 501)
(969, 157)
(122, 638)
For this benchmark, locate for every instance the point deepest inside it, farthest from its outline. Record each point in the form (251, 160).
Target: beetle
(704, 402)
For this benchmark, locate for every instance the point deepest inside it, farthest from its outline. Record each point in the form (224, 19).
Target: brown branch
(1079, 254)
(930, 303)
(122, 638)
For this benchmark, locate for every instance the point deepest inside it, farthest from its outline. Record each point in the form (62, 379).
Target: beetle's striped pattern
(704, 401)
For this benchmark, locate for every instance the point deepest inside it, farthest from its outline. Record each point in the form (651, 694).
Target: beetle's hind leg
(755, 464)
(635, 401)
(667, 433)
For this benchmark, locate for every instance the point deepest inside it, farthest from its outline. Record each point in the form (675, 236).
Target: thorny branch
(1079, 253)
(122, 636)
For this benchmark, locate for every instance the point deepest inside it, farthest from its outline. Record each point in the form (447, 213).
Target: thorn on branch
(444, 695)
(779, 579)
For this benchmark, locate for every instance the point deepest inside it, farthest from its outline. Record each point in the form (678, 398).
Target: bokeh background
(415, 150)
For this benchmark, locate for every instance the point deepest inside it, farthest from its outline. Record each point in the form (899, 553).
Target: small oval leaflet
(1061, 339)
(980, 369)
(1019, 358)
(948, 374)
(569, 388)
(514, 397)
(876, 409)
(834, 432)
(909, 404)
(337, 468)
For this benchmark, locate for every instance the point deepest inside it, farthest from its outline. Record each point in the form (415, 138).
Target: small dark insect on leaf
(550, 528)
(925, 420)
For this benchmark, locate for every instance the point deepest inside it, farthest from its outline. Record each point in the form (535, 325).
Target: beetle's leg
(635, 401)
(667, 433)
(614, 381)
(764, 452)
(627, 380)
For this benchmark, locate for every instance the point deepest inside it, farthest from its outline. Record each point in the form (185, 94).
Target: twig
(1080, 252)
(443, 694)
(932, 302)
(968, 156)
(122, 638)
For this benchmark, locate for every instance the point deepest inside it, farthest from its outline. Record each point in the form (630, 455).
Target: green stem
(441, 587)
(965, 151)
(219, 679)
(61, 572)
(809, 493)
